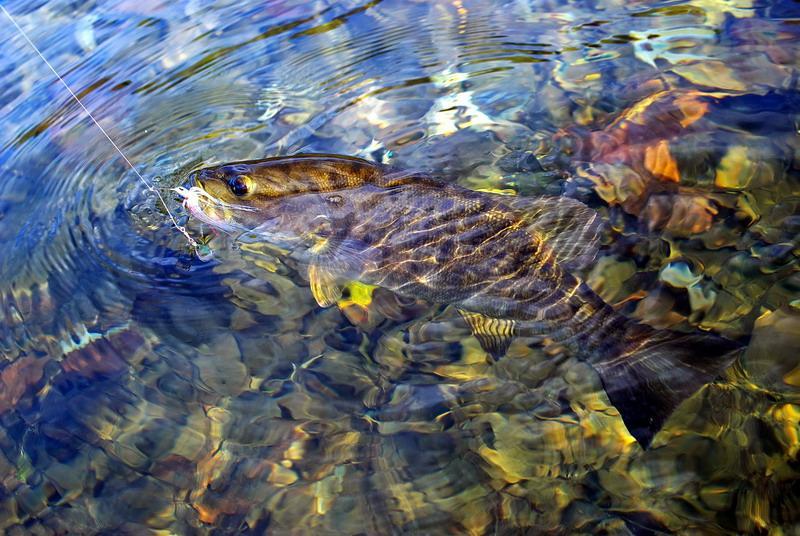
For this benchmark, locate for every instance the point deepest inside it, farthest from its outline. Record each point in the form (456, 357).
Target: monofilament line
(150, 187)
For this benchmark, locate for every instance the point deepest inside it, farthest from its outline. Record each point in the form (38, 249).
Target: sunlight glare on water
(144, 388)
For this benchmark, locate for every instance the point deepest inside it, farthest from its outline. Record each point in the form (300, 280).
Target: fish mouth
(208, 209)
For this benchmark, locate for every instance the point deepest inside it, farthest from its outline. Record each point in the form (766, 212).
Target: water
(142, 389)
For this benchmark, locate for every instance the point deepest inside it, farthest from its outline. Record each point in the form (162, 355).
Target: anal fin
(493, 334)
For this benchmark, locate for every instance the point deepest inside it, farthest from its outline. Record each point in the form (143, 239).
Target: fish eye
(335, 200)
(238, 186)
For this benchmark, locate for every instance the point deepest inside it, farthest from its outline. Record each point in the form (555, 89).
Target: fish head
(249, 184)
(258, 182)
(300, 202)
(223, 197)
(228, 183)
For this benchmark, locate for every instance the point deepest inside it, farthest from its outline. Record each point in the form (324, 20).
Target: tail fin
(657, 370)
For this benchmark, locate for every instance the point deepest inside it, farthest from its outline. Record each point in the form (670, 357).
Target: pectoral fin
(493, 334)
(324, 287)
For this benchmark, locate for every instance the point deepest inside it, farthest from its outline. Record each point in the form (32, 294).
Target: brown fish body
(418, 236)
(503, 261)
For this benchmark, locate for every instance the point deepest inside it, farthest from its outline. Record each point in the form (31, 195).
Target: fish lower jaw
(205, 212)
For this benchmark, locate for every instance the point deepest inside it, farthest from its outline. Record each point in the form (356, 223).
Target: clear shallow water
(142, 389)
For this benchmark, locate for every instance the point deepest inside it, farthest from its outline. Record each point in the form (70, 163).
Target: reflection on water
(142, 389)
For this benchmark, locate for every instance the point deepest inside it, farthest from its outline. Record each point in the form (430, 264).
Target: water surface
(143, 389)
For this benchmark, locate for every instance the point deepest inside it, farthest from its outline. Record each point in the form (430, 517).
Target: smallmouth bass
(504, 262)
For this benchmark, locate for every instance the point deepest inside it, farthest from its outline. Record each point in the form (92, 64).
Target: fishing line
(192, 242)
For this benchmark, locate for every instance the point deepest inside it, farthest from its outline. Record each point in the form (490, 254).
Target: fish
(508, 264)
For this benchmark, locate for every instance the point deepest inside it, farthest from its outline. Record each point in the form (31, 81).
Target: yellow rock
(717, 497)
(241, 320)
(736, 169)
(788, 417)
(659, 162)
(281, 476)
(295, 451)
(205, 514)
(326, 491)
(470, 509)
(752, 511)
(701, 300)
(462, 373)
(608, 277)
(716, 10)
(124, 450)
(616, 183)
(792, 377)
(262, 258)
(211, 468)
(619, 483)
(746, 207)
(768, 358)
(408, 500)
(511, 468)
(710, 73)
(692, 108)
(636, 113)
(219, 419)
(220, 366)
(189, 444)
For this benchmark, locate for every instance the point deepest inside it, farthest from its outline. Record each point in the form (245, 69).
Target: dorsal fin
(393, 177)
(568, 227)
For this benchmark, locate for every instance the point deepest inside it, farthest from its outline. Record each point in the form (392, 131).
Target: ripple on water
(141, 389)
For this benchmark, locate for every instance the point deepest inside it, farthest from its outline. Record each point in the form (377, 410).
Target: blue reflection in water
(143, 389)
